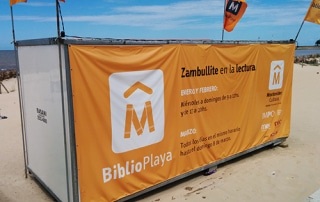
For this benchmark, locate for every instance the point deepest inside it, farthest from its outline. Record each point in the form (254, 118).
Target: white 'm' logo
(276, 74)
(137, 109)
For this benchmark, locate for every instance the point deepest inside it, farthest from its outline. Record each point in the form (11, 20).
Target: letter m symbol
(132, 118)
(131, 114)
(233, 6)
(276, 74)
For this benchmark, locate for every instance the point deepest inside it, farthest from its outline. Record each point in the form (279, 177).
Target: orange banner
(12, 2)
(234, 11)
(146, 114)
(313, 14)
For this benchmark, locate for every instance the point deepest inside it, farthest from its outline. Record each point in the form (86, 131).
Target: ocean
(7, 57)
(303, 52)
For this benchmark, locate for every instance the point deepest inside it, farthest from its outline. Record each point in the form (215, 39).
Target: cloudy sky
(157, 19)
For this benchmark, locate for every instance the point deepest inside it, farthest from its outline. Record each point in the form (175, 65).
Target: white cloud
(39, 4)
(185, 14)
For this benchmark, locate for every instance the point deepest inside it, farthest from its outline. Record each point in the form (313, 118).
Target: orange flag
(12, 2)
(313, 14)
(233, 12)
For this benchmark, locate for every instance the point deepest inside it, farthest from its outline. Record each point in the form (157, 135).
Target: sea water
(307, 52)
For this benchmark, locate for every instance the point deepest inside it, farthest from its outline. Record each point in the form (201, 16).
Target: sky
(156, 19)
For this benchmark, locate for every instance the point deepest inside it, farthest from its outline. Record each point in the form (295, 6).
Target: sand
(13, 184)
(275, 174)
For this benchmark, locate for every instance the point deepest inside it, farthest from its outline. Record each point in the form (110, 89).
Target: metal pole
(63, 102)
(1, 84)
(20, 99)
(58, 22)
(12, 24)
(299, 30)
(224, 10)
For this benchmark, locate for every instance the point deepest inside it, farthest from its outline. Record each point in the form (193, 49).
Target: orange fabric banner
(234, 10)
(12, 2)
(147, 114)
(313, 14)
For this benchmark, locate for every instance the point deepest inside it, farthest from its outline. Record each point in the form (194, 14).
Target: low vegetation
(307, 59)
(7, 74)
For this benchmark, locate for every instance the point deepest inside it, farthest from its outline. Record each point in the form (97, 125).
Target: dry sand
(278, 174)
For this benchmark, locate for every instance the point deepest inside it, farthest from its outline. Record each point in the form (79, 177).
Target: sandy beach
(277, 174)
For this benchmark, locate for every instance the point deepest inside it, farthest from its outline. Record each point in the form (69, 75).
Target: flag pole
(62, 86)
(305, 17)
(20, 96)
(58, 22)
(224, 12)
(12, 24)
(299, 30)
